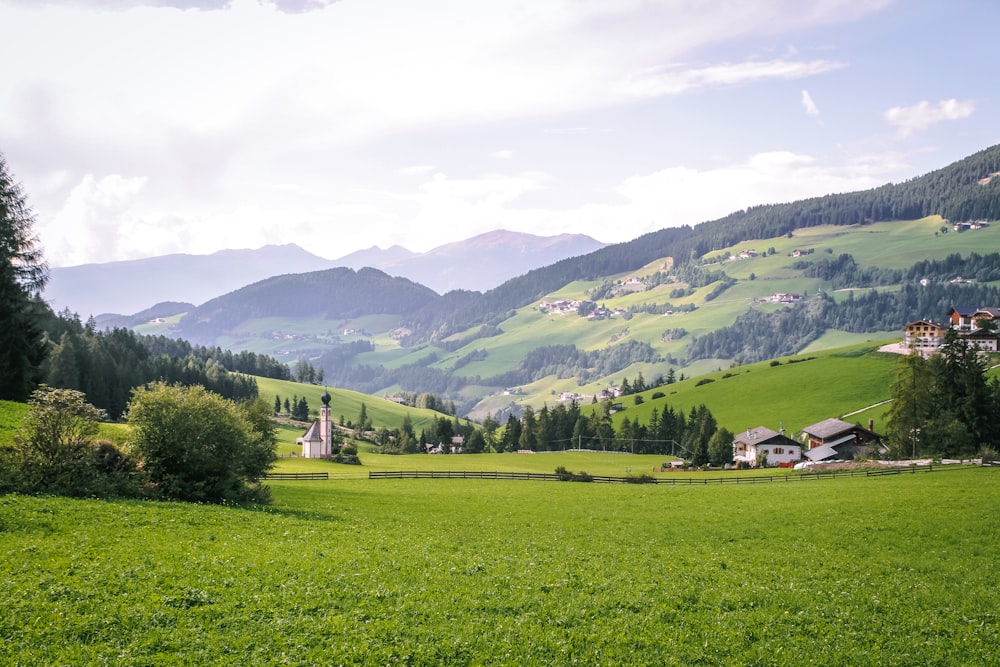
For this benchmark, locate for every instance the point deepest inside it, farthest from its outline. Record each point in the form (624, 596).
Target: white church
(317, 443)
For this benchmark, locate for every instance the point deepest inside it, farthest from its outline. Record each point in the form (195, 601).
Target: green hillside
(690, 300)
(797, 392)
(346, 404)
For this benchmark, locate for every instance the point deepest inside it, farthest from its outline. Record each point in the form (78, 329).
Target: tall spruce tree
(23, 274)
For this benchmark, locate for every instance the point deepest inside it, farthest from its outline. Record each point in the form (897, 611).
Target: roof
(754, 435)
(962, 311)
(979, 333)
(839, 441)
(930, 322)
(820, 453)
(828, 428)
(312, 433)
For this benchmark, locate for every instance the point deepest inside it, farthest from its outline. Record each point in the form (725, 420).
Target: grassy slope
(347, 404)
(512, 573)
(794, 395)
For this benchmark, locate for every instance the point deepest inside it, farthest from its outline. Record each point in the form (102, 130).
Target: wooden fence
(642, 479)
(297, 475)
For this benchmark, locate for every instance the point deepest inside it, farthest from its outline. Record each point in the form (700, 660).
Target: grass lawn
(848, 571)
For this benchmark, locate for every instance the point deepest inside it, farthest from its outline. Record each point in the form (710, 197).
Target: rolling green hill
(693, 300)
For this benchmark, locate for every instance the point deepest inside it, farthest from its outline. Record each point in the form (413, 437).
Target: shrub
(55, 451)
(644, 478)
(197, 446)
(703, 381)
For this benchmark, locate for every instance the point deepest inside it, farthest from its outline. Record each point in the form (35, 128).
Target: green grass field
(847, 571)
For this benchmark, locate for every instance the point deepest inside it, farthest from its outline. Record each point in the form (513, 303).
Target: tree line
(757, 335)
(108, 365)
(944, 405)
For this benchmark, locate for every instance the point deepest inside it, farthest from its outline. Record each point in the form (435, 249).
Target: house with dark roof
(764, 447)
(834, 439)
(961, 318)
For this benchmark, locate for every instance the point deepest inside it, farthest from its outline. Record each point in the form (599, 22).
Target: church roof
(312, 434)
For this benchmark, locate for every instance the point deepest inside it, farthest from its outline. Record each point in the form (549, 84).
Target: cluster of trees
(438, 437)
(107, 365)
(695, 436)
(943, 405)
(296, 408)
(306, 373)
(569, 361)
(843, 271)
(757, 335)
(185, 443)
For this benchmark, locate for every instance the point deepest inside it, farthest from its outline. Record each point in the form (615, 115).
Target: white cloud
(95, 223)
(417, 170)
(675, 80)
(254, 125)
(809, 105)
(665, 198)
(922, 115)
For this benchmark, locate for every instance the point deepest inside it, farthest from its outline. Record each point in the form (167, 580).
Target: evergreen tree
(720, 448)
(529, 430)
(23, 274)
(277, 404)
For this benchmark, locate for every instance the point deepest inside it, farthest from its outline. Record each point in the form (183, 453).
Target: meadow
(849, 571)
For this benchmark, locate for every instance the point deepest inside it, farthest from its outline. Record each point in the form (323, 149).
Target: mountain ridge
(127, 287)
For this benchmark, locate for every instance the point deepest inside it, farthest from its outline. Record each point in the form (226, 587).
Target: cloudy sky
(146, 127)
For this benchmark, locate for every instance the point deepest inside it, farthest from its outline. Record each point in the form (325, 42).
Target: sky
(140, 128)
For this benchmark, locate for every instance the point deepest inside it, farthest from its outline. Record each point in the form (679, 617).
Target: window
(779, 450)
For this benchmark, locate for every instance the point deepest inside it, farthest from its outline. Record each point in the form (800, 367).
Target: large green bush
(198, 446)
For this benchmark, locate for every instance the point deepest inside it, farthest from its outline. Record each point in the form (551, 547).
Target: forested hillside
(954, 192)
(107, 365)
(332, 294)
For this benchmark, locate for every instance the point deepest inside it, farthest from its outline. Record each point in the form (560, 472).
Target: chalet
(985, 315)
(835, 439)
(761, 444)
(983, 339)
(961, 318)
(924, 335)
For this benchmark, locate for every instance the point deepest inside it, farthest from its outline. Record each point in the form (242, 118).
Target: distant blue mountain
(127, 287)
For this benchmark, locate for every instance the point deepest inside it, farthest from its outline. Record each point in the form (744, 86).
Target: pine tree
(23, 274)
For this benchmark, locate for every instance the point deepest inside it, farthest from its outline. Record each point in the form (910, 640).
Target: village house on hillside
(924, 335)
(976, 325)
(834, 439)
(763, 447)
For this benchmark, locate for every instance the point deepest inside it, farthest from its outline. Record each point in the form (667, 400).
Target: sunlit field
(844, 571)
